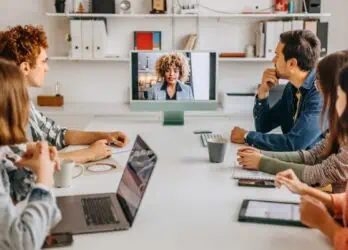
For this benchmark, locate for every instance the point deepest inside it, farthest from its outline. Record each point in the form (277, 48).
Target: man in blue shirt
(298, 110)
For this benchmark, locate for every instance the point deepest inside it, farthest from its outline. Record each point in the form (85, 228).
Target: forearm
(274, 166)
(79, 156)
(261, 113)
(294, 157)
(325, 198)
(329, 227)
(261, 94)
(28, 229)
(76, 137)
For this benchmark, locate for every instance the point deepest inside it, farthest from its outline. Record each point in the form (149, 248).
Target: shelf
(66, 58)
(245, 59)
(126, 59)
(293, 15)
(109, 15)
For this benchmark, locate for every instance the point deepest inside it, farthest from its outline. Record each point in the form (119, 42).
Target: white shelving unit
(66, 58)
(126, 59)
(255, 16)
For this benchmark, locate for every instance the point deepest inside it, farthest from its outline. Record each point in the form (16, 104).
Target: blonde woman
(173, 71)
(26, 229)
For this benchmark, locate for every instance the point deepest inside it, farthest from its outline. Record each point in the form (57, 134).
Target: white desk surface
(190, 203)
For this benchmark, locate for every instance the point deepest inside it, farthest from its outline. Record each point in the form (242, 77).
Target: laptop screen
(135, 178)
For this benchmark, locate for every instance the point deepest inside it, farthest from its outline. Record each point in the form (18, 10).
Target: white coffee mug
(64, 177)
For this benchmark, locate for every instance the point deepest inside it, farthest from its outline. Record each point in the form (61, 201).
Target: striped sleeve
(44, 128)
(333, 169)
(315, 155)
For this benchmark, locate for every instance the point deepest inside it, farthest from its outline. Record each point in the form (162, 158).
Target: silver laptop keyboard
(98, 211)
(206, 136)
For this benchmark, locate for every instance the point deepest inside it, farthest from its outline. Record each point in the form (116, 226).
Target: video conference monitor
(173, 81)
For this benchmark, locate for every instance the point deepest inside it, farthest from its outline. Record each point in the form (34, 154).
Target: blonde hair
(177, 60)
(14, 104)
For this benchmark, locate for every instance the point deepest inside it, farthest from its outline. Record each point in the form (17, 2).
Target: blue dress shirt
(299, 134)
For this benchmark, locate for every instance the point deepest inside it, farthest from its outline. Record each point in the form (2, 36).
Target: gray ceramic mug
(217, 149)
(64, 177)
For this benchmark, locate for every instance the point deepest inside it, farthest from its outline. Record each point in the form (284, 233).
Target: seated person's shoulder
(185, 87)
(156, 87)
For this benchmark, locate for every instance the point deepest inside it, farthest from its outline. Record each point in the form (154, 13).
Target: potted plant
(60, 6)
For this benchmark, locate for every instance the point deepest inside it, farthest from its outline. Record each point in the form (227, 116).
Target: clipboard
(270, 212)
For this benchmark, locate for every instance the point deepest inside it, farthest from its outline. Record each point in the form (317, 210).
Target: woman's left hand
(249, 159)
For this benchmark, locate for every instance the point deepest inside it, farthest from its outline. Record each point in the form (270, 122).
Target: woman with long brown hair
(324, 164)
(314, 203)
(28, 229)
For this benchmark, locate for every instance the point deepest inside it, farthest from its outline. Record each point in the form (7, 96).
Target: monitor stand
(175, 118)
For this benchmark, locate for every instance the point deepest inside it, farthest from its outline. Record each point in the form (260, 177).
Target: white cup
(64, 177)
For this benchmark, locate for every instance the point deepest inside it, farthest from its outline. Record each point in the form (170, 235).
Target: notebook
(241, 173)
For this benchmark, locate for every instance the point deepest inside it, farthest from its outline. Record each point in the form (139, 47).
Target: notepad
(241, 173)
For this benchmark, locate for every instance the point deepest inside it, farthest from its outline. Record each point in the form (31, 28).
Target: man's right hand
(99, 150)
(269, 80)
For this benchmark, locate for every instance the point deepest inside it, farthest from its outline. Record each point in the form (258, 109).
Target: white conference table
(190, 203)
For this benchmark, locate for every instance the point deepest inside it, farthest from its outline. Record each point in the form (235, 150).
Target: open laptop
(110, 211)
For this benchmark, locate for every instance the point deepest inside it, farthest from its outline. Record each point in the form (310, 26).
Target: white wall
(109, 81)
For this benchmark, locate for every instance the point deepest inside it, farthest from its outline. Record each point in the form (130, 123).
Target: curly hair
(22, 43)
(177, 60)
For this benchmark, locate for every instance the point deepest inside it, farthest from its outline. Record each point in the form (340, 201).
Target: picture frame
(159, 6)
(148, 40)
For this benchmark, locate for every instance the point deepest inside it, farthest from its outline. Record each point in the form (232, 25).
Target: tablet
(270, 212)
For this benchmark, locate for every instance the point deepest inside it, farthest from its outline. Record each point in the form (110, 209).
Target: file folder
(99, 39)
(87, 39)
(76, 39)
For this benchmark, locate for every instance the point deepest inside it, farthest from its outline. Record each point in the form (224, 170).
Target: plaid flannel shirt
(21, 180)
(42, 128)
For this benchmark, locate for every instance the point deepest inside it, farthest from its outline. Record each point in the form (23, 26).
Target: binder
(311, 25)
(87, 39)
(287, 26)
(297, 25)
(99, 39)
(76, 39)
(323, 33)
(270, 45)
(279, 29)
(260, 40)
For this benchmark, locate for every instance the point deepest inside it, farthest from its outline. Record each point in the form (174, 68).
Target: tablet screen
(272, 210)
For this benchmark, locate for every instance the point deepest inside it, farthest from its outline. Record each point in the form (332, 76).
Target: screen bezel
(243, 218)
(129, 216)
(215, 101)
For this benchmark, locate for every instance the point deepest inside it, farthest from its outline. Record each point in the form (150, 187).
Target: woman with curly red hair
(173, 71)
